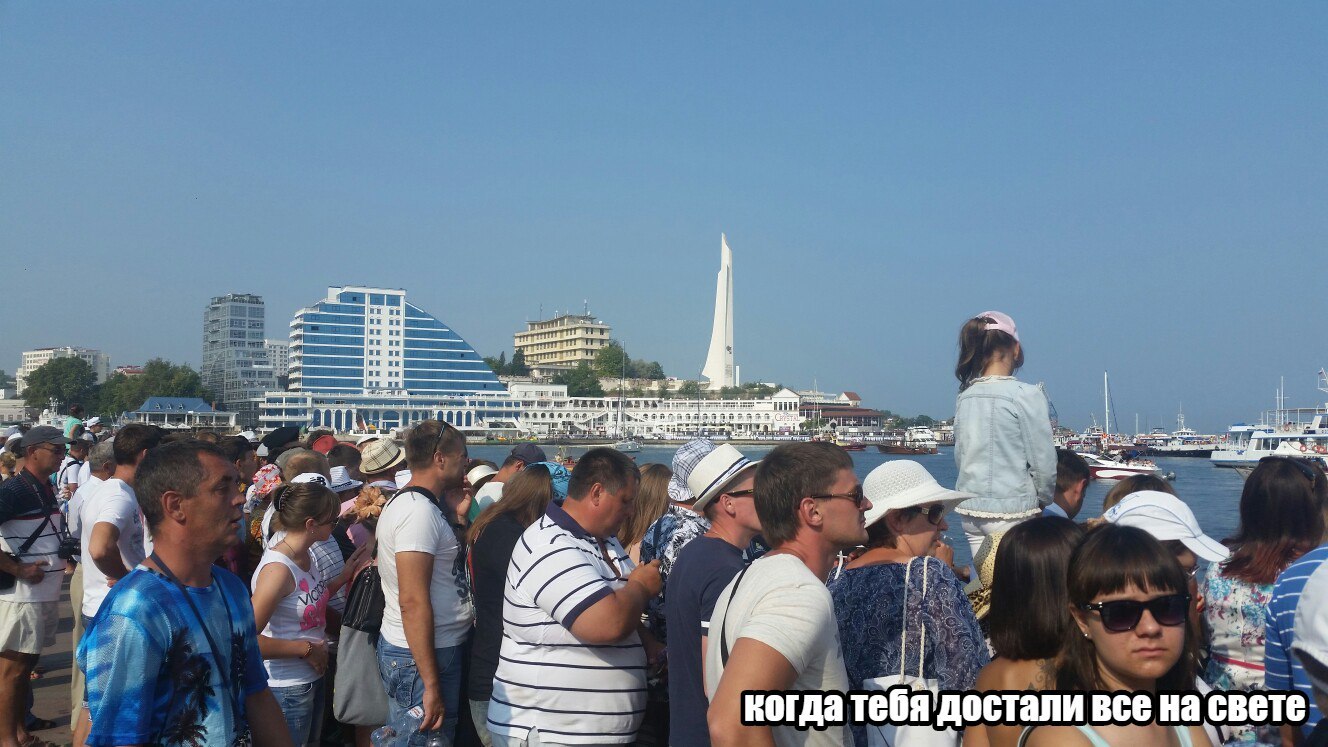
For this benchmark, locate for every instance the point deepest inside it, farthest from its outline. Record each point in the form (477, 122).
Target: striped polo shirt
(1282, 669)
(571, 692)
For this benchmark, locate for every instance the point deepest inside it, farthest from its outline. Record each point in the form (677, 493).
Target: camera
(69, 548)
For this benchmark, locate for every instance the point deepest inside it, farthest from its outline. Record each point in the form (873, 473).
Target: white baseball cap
(1166, 517)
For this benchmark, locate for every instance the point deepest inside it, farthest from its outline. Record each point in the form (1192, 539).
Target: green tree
(518, 365)
(690, 390)
(494, 365)
(610, 360)
(663, 392)
(160, 378)
(581, 381)
(68, 380)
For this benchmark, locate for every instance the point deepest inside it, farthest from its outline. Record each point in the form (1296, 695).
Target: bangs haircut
(608, 467)
(787, 475)
(1110, 559)
(1029, 614)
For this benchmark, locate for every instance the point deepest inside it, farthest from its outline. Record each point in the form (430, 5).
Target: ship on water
(1293, 432)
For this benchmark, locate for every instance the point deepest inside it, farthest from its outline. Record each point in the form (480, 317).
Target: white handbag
(887, 735)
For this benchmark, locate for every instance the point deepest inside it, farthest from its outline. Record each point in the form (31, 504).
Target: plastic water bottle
(398, 733)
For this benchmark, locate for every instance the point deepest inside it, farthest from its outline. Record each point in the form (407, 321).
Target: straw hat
(979, 589)
(380, 455)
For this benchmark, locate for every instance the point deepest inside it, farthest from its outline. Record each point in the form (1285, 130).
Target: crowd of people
(300, 590)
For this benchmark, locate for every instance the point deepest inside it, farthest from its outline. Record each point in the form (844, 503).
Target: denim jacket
(1004, 449)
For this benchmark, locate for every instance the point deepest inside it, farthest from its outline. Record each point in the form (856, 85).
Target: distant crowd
(301, 590)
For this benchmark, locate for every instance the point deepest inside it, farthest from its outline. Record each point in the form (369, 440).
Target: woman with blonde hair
(652, 500)
(290, 605)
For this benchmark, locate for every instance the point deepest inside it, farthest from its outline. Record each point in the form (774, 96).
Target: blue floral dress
(662, 542)
(870, 607)
(1234, 625)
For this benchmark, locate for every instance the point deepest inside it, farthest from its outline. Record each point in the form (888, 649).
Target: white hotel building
(547, 410)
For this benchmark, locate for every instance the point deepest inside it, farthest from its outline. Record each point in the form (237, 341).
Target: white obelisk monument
(719, 362)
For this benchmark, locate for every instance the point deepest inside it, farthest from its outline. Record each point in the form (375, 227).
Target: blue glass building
(367, 357)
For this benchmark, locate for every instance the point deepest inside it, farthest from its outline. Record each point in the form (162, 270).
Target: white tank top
(301, 616)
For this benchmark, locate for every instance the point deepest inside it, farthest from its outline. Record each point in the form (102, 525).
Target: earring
(1085, 633)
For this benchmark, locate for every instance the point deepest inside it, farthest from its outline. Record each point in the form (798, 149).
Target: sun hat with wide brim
(905, 484)
(479, 473)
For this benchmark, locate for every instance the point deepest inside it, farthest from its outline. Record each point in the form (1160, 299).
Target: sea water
(1213, 493)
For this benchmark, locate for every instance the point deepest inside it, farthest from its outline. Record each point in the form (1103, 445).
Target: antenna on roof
(585, 307)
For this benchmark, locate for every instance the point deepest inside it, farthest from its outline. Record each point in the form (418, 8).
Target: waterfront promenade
(51, 694)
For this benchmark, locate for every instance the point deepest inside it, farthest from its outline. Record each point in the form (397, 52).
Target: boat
(918, 440)
(1292, 435)
(1183, 442)
(1111, 467)
(628, 445)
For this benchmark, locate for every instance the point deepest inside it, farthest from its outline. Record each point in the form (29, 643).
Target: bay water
(1211, 492)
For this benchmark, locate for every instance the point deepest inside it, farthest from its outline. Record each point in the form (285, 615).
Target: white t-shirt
(84, 472)
(300, 616)
(70, 469)
(782, 604)
(410, 522)
(113, 502)
(75, 513)
(489, 493)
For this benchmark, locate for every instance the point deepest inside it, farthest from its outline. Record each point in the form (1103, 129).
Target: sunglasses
(1301, 464)
(934, 513)
(741, 493)
(1124, 614)
(856, 496)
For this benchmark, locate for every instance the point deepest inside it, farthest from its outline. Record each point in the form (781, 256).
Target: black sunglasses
(856, 496)
(1125, 614)
(933, 513)
(1301, 464)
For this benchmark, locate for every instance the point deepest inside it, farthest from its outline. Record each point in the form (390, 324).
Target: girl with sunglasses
(1130, 603)
(900, 610)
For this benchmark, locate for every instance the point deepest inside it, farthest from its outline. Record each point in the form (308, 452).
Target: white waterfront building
(546, 409)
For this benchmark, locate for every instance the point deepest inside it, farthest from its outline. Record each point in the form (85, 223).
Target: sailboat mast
(1106, 404)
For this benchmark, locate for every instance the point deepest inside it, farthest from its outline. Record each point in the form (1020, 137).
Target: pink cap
(1003, 322)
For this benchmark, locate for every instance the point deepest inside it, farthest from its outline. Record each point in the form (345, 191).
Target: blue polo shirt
(1282, 669)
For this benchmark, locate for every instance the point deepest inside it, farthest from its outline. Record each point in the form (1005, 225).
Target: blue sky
(1141, 185)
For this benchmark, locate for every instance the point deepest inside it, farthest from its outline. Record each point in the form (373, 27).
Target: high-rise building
(366, 357)
(719, 368)
(236, 368)
(563, 341)
(278, 354)
(35, 359)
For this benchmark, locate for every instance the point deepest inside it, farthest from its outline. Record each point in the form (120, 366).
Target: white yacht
(1247, 444)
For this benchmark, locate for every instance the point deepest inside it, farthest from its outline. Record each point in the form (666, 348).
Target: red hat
(324, 444)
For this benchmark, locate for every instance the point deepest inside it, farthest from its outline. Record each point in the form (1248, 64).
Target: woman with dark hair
(1003, 445)
(1281, 518)
(491, 539)
(1029, 615)
(1130, 604)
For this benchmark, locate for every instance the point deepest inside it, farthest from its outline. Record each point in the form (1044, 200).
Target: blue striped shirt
(1282, 670)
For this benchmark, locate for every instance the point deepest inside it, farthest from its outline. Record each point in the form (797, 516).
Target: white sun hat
(714, 471)
(905, 484)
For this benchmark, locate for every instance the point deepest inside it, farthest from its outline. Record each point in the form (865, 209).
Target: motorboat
(918, 440)
(1111, 467)
(628, 445)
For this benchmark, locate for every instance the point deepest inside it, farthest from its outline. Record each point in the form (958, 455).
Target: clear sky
(1140, 185)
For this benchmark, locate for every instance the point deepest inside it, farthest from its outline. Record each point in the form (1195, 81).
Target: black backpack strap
(723, 634)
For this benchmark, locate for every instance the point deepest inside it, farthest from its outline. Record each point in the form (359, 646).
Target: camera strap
(48, 508)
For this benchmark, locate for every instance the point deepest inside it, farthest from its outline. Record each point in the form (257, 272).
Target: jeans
(479, 716)
(405, 689)
(302, 705)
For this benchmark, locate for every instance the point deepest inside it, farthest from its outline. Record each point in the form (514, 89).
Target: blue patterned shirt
(662, 542)
(152, 676)
(868, 604)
